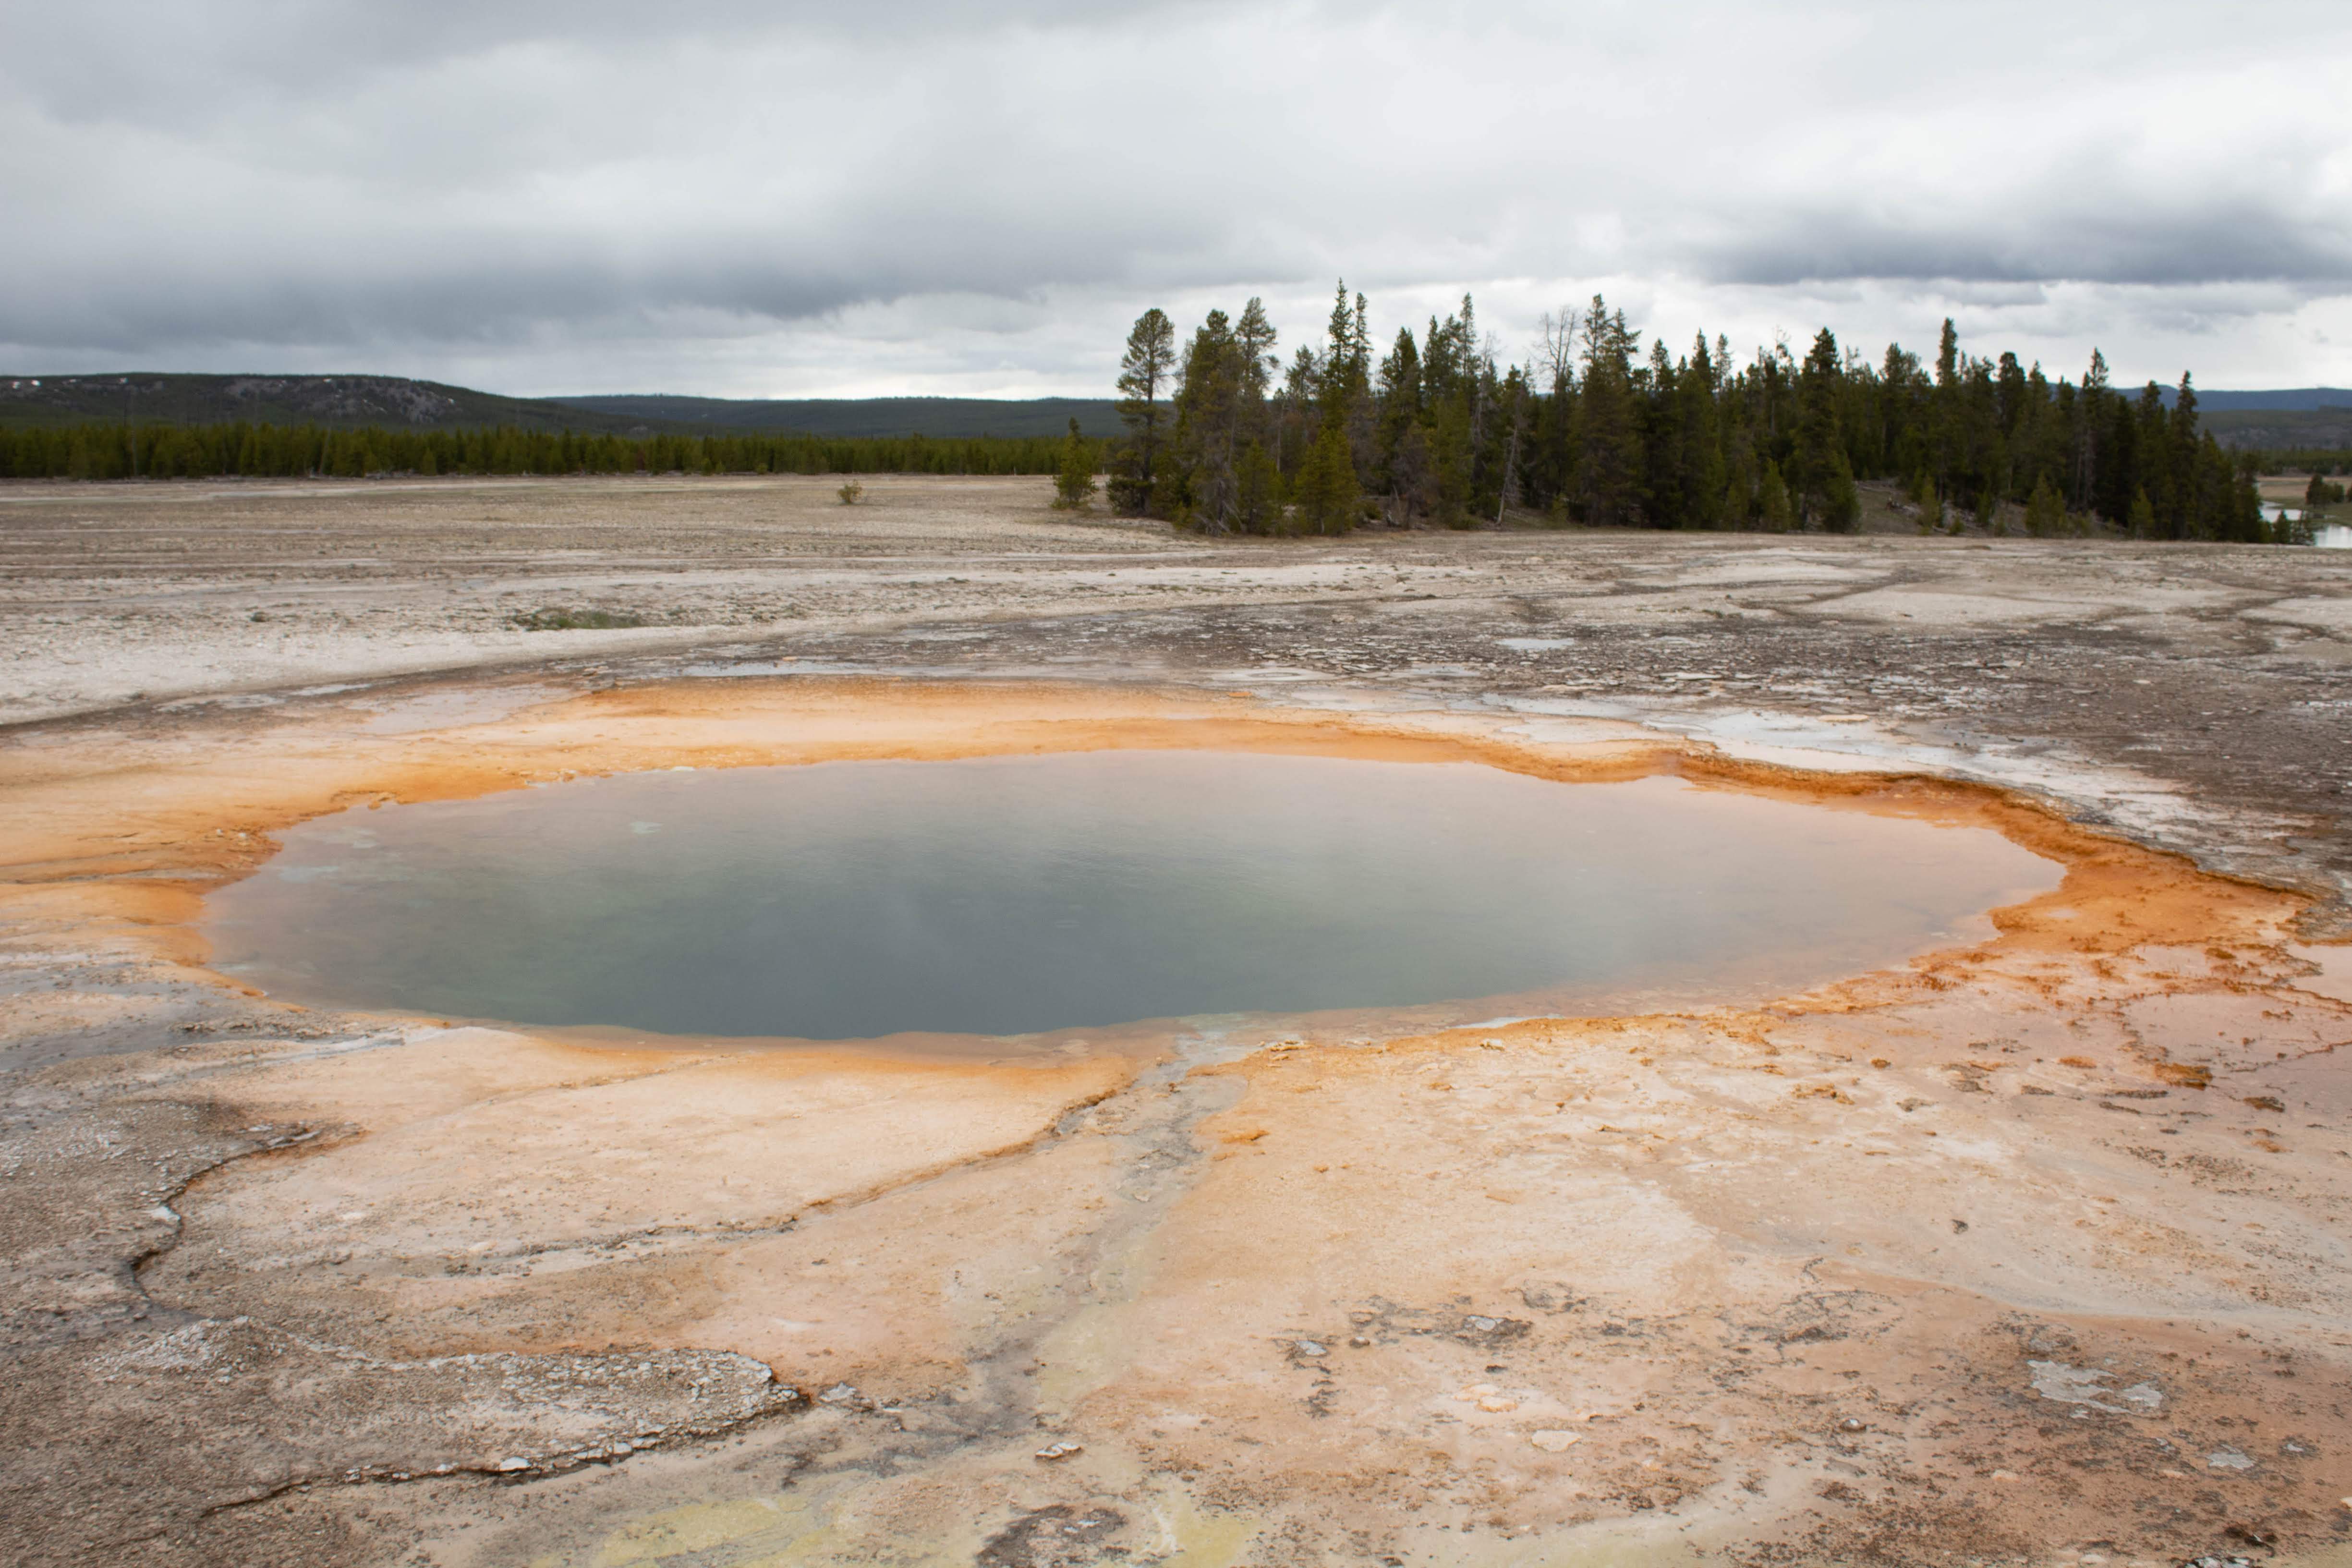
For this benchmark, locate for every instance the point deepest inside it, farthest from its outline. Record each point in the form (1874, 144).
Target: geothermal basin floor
(2027, 1249)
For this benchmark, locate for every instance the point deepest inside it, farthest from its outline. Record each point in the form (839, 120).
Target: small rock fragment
(1487, 1397)
(2081, 1387)
(1053, 1451)
(512, 1463)
(1552, 1441)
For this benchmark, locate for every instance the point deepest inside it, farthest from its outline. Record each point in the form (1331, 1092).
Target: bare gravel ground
(2029, 1252)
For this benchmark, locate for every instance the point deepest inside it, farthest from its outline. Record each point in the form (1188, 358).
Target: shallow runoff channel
(1031, 896)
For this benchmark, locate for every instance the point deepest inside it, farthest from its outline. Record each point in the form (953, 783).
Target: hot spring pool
(1016, 895)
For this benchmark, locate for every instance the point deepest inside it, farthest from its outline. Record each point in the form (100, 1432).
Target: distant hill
(2284, 417)
(351, 401)
(2273, 429)
(2285, 399)
(864, 415)
(342, 401)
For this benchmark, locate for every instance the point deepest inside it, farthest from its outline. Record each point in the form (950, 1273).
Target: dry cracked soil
(2030, 1249)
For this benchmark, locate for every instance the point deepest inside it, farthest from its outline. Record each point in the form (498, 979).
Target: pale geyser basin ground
(1984, 1250)
(1032, 895)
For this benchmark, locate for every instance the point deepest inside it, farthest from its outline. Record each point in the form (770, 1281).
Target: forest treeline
(1225, 436)
(116, 452)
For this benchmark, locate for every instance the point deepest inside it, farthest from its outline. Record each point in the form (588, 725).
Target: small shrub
(2045, 510)
(1074, 483)
(851, 493)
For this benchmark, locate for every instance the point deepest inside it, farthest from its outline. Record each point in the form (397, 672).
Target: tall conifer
(1144, 374)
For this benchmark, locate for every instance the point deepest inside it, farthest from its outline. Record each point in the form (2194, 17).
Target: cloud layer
(911, 194)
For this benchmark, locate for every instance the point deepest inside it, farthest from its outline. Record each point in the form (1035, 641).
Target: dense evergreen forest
(1226, 437)
(116, 452)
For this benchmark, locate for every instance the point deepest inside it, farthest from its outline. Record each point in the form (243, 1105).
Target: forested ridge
(349, 402)
(1226, 437)
(116, 452)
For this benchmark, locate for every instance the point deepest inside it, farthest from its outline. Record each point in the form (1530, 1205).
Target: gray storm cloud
(550, 197)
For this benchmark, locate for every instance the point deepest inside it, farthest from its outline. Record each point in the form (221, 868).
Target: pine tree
(1144, 376)
(2180, 446)
(1413, 476)
(1841, 501)
(1206, 438)
(1738, 504)
(1818, 470)
(1346, 360)
(1346, 394)
(1400, 411)
(1772, 509)
(2008, 394)
(1254, 338)
(1664, 463)
(1294, 409)
(1257, 491)
(1327, 493)
(1511, 409)
(2245, 504)
(2045, 510)
(1699, 436)
(1608, 441)
(1452, 450)
(1944, 436)
(2090, 418)
(1074, 484)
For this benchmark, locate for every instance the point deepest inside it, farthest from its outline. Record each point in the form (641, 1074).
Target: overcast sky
(869, 196)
